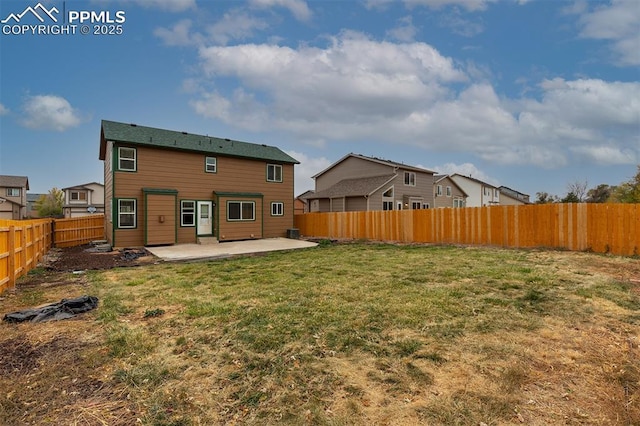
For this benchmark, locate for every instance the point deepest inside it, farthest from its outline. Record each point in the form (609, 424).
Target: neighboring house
(13, 197)
(447, 193)
(357, 182)
(83, 200)
(32, 211)
(511, 197)
(479, 193)
(168, 187)
(301, 202)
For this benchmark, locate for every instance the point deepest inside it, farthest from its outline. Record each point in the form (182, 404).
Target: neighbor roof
(358, 187)
(83, 186)
(133, 134)
(14, 181)
(389, 163)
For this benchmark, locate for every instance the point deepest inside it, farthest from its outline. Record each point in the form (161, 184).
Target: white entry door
(205, 218)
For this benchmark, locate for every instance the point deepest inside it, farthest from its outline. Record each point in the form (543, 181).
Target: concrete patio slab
(192, 252)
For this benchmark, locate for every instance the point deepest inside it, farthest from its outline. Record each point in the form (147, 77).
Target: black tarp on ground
(67, 308)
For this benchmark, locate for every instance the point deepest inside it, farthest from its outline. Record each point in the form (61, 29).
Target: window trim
(407, 178)
(279, 205)
(448, 191)
(134, 213)
(207, 164)
(10, 194)
(275, 167)
(134, 159)
(439, 190)
(182, 213)
(79, 192)
(241, 203)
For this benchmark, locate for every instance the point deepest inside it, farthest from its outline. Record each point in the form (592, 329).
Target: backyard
(340, 334)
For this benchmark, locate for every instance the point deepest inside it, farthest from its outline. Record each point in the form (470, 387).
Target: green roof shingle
(183, 141)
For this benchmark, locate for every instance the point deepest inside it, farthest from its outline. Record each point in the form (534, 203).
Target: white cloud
(49, 112)
(235, 25)
(462, 26)
(617, 22)
(470, 5)
(359, 89)
(405, 31)
(178, 35)
(298, 8)
(308, 167)
(3, 110)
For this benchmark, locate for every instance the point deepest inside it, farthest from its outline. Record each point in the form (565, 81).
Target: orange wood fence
(23, 243)
(602, 228)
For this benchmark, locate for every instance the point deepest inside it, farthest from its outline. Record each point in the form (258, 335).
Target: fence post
(53, 233)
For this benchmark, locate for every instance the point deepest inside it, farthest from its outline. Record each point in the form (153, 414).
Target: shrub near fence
(23, 243)
(602, 228)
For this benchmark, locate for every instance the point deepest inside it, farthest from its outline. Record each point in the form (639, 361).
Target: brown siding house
(168, 187)
(447, 193)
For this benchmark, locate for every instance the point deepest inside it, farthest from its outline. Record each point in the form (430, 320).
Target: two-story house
(360, 183)
(447, 193)
(13, 197)
(83, 200)
(511, 197)
(168, 187)
(479, 193)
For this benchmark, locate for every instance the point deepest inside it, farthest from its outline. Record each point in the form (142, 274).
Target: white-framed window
(387, 199)
(78, 196)
(127, 213)
(127, 159)
(415, 205)
(387, 205)
(274, 173)
(13, 192)
(496, 193)
(448, 191)
(277, 209)
(410, 178)
(439, 190)
(458, 202)
(210, 164)
(187, 213)
(241, 210)
(425, 205)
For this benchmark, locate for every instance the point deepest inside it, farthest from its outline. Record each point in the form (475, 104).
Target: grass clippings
(337, 335)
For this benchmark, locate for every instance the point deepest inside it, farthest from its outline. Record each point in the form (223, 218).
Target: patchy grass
(342, 335)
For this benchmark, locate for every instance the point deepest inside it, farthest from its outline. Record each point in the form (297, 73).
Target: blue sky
(531, 94)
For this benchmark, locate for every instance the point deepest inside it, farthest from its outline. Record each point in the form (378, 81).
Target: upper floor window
(448, 191)
(439, 190)
(78, 196)
(410, 178)
(13, 192)
(210, 165)
(274, 173)
(496, 193)
(127, 159)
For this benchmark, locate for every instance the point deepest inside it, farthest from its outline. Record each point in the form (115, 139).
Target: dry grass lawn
(352, 334)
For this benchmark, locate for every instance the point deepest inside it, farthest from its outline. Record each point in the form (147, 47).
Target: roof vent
(184, 133)
(134, 125)
(227, 139)
(263, 145)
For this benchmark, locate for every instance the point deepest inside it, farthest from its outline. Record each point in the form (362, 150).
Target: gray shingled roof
(353, 187)
(14, 181)
(169, 139)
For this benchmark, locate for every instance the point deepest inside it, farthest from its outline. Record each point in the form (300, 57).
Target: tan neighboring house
(171, 187)
(13, 197)
(447, 193)
(360, 183)
(511, 197)
(83, 200)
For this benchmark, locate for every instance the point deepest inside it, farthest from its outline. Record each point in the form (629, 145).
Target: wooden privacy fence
(23, 243)
(602, 228)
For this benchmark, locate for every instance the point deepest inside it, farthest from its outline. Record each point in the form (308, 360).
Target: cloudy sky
(531, 94)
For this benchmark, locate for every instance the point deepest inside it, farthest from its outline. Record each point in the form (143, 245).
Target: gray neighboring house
(447, 193)
(32, 211)
(13, 197)
(479, 193)
(360, 183)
